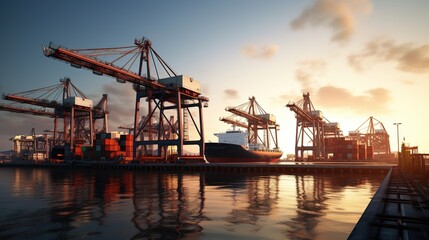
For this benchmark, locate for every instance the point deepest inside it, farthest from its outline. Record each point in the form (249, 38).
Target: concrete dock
(281, 168)
(398, 210)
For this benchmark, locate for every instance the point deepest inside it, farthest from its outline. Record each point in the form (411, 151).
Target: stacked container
(126, 145)
(370, 152)
(348, 149)
(78, 152)
(363, 154)
(107, 146)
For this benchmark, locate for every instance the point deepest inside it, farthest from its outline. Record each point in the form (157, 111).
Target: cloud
(339, 15)
(261, 52)
(408, 57)
(328, 97)
(231, 93)
(372, 101)
(306, 71)
(282, 100)
(121, 103)
(407, 82)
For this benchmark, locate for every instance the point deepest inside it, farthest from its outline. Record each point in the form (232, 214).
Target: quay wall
(218, 167)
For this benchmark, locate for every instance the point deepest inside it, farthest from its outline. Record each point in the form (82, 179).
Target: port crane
(31, 147)
(78, 121)
(309, 129)
(165, 92)
(372, 133)
(254, 118)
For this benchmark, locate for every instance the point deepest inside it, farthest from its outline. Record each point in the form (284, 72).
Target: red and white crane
(165, 92)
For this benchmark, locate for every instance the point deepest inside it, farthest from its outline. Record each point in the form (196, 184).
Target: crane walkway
(398, 210)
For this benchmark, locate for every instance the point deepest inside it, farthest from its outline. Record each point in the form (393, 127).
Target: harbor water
(42, 203)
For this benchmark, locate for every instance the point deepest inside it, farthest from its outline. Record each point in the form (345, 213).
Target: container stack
(363, 154)
(107, 147)
(370, 152)
(347, 150)
(78, 152)
(126, 145)
(343, 148)
(88, 152)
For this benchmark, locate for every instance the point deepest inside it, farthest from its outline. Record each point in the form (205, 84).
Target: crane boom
(32, 101)
(299, 112)
(26, 110)
(243, 114)
(97, 66)
(234, 122)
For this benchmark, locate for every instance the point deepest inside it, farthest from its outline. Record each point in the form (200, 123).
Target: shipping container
(316, 113)
(267, 116)
(78, 101)
(183, 82)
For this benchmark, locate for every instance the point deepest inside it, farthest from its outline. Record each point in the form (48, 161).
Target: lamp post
(397, 134)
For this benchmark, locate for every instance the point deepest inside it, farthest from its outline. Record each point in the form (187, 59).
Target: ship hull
(231, 153)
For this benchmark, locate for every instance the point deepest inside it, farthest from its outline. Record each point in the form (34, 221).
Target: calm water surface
(119, 204)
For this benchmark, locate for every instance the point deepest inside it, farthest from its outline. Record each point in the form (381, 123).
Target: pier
(398, 210)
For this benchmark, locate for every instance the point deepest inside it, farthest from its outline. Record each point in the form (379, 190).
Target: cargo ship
(234, 148)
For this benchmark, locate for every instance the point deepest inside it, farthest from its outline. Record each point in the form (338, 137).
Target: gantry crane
(31, 147)
(372, 133)
(252, 116)
(78, 120)
(164, 93)
(309, 129)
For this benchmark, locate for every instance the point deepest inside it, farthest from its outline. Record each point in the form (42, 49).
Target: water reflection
(167, 208)
(113, 204)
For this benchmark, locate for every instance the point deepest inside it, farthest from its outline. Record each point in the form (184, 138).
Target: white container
(114, 135)
(78, 101)
(333, 125)
(181, 81)
(268, 116)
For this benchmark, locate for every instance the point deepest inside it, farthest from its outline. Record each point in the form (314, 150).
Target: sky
(356, 58)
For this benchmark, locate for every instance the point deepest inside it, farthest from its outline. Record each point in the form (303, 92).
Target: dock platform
(398, 210)
(281, 168)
